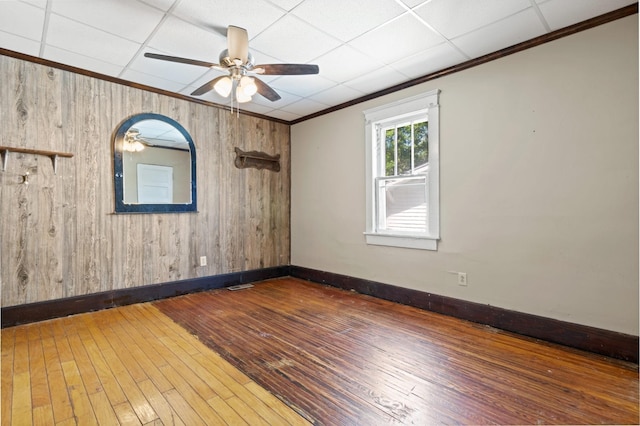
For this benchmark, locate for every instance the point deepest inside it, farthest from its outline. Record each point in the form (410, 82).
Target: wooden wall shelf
(53, 155)
(256, 159)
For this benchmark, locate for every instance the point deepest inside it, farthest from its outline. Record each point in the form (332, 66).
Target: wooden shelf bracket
(53, 155)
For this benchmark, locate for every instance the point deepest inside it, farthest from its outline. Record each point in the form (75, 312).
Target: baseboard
(596, 340)
(40, 311)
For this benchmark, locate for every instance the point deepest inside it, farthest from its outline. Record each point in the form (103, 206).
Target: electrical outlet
(203, 260)
(462, 278)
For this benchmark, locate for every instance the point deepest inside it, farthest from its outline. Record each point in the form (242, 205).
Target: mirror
(154, 166)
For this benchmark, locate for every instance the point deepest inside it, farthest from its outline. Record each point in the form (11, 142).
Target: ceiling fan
(134, 141)
(238, 62)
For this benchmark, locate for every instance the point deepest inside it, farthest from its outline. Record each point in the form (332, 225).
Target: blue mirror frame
(118, 143)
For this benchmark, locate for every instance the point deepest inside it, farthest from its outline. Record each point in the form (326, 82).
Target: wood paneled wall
(59, 234)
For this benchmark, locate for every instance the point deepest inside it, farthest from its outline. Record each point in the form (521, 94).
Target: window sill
(405, 241)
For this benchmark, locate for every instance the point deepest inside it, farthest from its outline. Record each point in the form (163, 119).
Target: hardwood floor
(334, 357)
(129, 366)
(341, 358)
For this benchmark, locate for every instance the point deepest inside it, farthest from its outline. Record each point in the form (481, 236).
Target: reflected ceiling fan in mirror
(238, 62)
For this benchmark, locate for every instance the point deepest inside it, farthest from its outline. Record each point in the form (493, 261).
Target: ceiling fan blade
(265, 90)
(208, 86)
(181, 60)
(238, 43)
(286, 69)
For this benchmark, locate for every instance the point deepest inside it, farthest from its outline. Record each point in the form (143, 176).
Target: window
(402, 173)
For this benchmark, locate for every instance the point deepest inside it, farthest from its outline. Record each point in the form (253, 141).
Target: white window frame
(427, 103)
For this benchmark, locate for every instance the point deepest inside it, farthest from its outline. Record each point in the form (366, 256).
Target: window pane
(404, 149)
(402, 204)
(389, 142)
(421, 144)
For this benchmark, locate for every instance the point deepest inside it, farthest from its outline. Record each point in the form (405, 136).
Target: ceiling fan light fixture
(248, 86)
(133, 146)
(241, 96)
(223, 86)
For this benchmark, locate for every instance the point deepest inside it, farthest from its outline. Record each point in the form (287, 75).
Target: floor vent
(239, 287)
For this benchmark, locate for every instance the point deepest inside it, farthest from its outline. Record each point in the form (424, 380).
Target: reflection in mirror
(154, 163)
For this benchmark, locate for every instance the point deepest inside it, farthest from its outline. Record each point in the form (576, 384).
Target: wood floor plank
(344, 358)
(87, 371)
(189, 370)
(74, 371)
(292, 352)
(141, 349)
(7, 342)
(21, 352)
(193, 398)
(178, 403)
(226, 412)
(271, 401)
(82, 410)
(43, 415)
(135, 397)
(108, 381)
(57, 385)
(246, 412)
(219, 377)
(126, 415)
(37, 367)
(103, 409)
(122, 346)
(139, 324)
(166, 414)
(21, 409)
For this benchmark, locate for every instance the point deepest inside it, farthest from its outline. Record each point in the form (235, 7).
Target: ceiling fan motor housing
(228, 62)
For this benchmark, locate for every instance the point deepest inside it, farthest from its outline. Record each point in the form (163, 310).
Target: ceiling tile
(21, 19)
(302, 85)
(253, 107)
(128, 19)
(19, 44)
(304, 107)
(345, 63)
(179, 38)
(87, 41)
(347, 20)
(284, 115)
(253, 15)
(181, 73)
(414, 3)
(453, 18)
(294, 41)
(286, 99)
(360, 47)
(150, 80)
(42, 4)
(397, 39)
(286, 4)
(430, 60)
(80, 61)
(163, 5)
(562, 13)
(338, 95)
(516, 29)
(376, 80)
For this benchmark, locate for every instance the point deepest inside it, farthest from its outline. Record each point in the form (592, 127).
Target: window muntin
(406, 148)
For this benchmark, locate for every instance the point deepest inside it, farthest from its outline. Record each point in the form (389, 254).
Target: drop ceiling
(361, 46)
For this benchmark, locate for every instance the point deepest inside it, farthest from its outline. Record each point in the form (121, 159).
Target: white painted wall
(538, 184)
